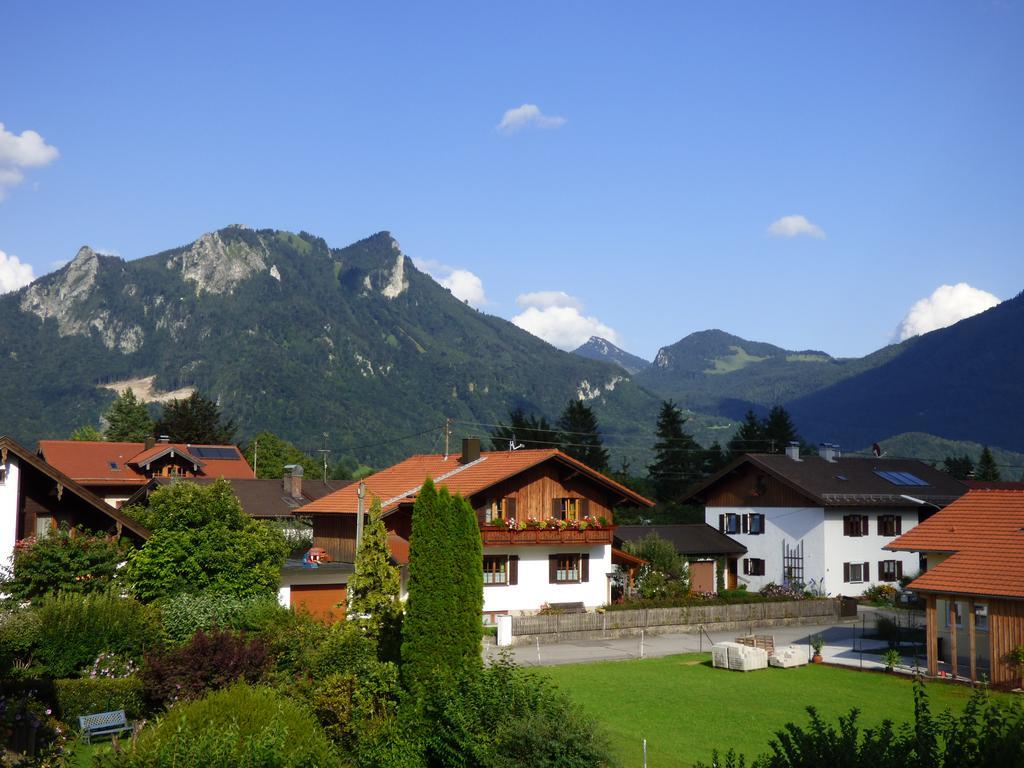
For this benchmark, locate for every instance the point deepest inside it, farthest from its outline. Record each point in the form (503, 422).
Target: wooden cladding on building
(337, 535)
(749, 486)
(1006, 628)
(538, 492)
(1005, 632)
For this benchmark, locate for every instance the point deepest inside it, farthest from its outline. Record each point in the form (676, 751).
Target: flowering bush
(880, 594)
(775, 591)
(110, 664)
(550, 524)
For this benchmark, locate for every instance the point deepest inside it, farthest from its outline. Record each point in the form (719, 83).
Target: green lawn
(685, 708)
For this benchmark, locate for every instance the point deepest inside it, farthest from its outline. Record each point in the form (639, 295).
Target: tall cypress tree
(580, 437)
(987, 468)
(677, 456)
(443, 626)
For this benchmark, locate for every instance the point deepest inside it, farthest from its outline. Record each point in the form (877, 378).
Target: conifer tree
(87, 433)
(528, 431)
(987, 468)
(678, 458)
(749, 438)
(579, 435)
(373, 588)
(960, 467)
(442, 628)
(779, 430)
(128, 419)
(195, 420)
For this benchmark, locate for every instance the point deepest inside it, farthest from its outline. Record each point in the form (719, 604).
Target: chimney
(150, 442)
(292, 480)
(164, 439)
(470, 449)
(793, 451)
(829, 452)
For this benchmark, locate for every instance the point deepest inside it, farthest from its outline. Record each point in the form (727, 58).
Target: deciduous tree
(195, 420)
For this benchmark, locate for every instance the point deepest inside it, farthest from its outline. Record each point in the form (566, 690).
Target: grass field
(685, 708)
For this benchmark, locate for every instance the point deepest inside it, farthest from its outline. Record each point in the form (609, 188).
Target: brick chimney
(470, 449)
(292, 480)
(150, 442)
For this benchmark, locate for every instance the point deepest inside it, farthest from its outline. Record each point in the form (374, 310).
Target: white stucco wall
(533, 589)
(781, 524)
(825, 546)
(863, 549)
(9, 510)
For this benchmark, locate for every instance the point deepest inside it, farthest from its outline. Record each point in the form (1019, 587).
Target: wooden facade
(337, 535)
(750, 486)
(1005, 631)
(534, 489)
(45, 503)
(498, 536)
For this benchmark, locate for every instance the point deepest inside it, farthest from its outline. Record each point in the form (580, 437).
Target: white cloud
(14, 273)
(558, 318)
(545, 299)
(948, 304)
(528, 115)
(794, 226)
(17, 151)
(464, 285)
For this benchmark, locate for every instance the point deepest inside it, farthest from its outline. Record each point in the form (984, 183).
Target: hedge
(87, 696)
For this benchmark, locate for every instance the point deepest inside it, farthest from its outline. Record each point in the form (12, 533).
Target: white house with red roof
(116, 470)
(546, 521)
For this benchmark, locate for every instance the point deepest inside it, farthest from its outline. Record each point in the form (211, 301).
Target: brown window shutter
(481, 515)
(584, 507)
(746, 523)
(556, 509)
(510, 508)
(867, 572)
(899, 524)
(513, 570)
(863, 525)
(846, 572)
(552, 569)
(584, 567)
(846, 525)
(881, 570)
(721, 523)
(899, 570)
(746, 566)
(880, 525)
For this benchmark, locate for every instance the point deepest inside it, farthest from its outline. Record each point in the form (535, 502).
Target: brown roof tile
(984, 530)
(401, 482)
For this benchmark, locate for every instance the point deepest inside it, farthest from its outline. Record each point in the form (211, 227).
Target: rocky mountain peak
(217, 262)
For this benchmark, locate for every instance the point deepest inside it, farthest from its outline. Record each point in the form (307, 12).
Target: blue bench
(103, 724)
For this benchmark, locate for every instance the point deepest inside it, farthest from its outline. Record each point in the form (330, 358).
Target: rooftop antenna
(447, 434)
(513, 445)
(324, 451)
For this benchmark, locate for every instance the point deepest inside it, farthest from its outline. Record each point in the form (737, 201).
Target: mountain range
(295, 336)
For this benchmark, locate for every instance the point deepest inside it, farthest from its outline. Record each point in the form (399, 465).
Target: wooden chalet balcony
(498, 534)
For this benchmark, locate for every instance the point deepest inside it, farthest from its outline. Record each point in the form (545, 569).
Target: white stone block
(789, 656)
(720, 654)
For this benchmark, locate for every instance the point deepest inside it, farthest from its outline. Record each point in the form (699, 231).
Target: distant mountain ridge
(293, 336)
(597, 348)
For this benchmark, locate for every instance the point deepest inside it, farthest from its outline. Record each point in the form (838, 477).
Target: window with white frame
(753, 566)
(569, 568)
(890, 570)
(856, 573)
(729, 523)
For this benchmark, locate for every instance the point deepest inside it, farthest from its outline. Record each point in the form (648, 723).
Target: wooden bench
(103, 724)
(567, 607)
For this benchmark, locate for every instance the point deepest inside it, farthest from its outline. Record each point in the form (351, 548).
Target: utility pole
(447, 434)
(255, 456)
(360, 507)
(324, 451)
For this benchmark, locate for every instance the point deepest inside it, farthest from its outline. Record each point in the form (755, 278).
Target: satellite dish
(877, 450)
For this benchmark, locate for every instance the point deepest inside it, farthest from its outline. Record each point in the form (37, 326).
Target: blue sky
(663, 142)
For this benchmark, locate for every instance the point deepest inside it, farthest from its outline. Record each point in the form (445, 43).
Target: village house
(36, 498)
(116, 470)
(822, 521)
(546, 522)
(707, 551)
(973, 586)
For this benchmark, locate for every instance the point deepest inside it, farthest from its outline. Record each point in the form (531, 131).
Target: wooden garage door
(324, 601)
(702, 576)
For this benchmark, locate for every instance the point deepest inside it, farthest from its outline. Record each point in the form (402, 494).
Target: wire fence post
(538, 651)
(645, 753)
(641, 643)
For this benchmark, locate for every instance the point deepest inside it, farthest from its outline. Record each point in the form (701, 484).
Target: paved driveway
(844, 644)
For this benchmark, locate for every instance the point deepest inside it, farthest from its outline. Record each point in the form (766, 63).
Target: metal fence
(689, 616)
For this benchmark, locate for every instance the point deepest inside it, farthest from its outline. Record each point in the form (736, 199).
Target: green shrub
(101, 694)
(75, 629)
(238, 727)
(186, 613)
(880, 594)
(19, 636)
(64, 560)
(888, 629)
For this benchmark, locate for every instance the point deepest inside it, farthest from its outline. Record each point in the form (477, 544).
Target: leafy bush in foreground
(986, 735)
(186, 613)
(238, 727)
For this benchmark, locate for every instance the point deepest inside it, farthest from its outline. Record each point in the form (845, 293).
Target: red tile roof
(103, 463)
(984, 531)
(401, 482)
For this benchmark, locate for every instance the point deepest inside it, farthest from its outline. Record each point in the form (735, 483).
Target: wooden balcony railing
(501, 535)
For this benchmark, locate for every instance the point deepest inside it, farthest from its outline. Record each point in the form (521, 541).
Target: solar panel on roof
(900, 478)
(205, 452)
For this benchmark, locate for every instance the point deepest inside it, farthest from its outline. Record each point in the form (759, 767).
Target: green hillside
(935, 449)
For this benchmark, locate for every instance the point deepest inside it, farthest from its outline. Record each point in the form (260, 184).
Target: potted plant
(891, 658)
(817, 643)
